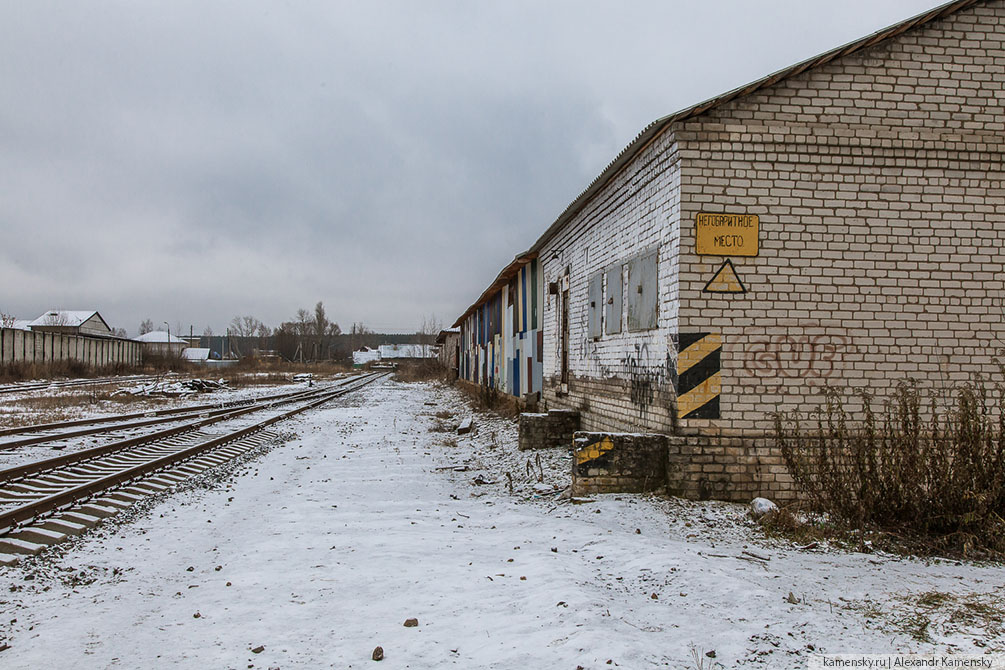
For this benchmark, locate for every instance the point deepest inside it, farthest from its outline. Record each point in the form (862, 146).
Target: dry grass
(35, 409)
(19, 372)
(934, 485)
(421, 371)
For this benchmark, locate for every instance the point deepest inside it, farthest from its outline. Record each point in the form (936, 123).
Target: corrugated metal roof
(501, 280)
(64, 317)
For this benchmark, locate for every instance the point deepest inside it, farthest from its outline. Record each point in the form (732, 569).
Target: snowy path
(331, 541)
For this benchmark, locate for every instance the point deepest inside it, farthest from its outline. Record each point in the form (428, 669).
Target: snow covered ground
(373, 512)
(72, 404)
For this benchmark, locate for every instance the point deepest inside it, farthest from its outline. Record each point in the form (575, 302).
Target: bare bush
(938, 474)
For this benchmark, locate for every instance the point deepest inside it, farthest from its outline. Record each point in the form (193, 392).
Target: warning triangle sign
(725, 280)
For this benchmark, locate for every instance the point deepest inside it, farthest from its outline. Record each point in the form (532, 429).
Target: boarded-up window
(612, 306)
(642, 293)
(596, 299)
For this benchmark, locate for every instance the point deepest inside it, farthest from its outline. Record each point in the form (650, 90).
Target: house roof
(650, 132)
(159, 336)
(501, 280)
(64, 317)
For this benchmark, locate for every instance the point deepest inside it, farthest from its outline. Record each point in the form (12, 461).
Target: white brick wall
(637, 212)
(879, 184)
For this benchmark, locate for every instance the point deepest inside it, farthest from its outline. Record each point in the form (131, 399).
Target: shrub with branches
(938, 474)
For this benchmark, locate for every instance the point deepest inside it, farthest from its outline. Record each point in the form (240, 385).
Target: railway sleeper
(38, 535)
(12, 545)
(100, 511)
(64, 526)
(131, 495)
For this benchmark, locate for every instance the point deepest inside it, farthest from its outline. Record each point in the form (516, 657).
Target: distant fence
(25, 346)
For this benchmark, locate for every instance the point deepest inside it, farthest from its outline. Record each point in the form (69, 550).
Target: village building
(407, 351)
(60, 336)
(69, 322)
(449, 343)
(839, 223)
(365, 355)
(161, 343)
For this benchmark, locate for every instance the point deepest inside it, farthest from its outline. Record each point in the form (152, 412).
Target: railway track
(44, 502)
(52, 432)
(69, 383)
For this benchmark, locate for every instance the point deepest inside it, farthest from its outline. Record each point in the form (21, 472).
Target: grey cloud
(189, 161)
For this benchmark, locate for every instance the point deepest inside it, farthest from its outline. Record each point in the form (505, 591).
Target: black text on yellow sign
(727, 234)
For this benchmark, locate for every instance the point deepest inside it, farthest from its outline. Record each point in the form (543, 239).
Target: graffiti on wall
(590, 351)
(650, 383)
(775, 358)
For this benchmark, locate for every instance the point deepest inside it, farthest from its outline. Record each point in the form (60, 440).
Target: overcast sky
(192, 161)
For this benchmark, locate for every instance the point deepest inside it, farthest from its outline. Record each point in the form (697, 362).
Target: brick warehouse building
(840, 223)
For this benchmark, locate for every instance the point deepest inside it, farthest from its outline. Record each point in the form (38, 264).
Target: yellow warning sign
(727, 234)
(725, 280)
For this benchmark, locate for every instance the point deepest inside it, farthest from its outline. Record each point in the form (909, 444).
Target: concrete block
(618, 463)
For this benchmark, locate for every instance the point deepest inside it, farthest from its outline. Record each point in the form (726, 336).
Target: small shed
(160, 343)
(449, 342)
(195, 354)
(72, 322)
(365, 355)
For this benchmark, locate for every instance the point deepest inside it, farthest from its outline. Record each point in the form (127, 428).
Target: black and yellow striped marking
(698, 379)
(592, 452)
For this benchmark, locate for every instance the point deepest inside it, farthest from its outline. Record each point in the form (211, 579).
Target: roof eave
(657, 127)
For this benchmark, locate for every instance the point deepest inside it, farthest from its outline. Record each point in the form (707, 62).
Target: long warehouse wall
(25, 346)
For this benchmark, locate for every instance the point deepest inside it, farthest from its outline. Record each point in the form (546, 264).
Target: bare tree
(430, 328)
(120, 332)
(323, 331)
(208, 332)
(303, 327)
(246, 326)
(146, 327)
(7, 320)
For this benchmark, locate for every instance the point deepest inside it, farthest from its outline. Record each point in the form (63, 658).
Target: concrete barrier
(25, 346)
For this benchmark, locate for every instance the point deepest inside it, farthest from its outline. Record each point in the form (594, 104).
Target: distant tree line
(308, 336)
